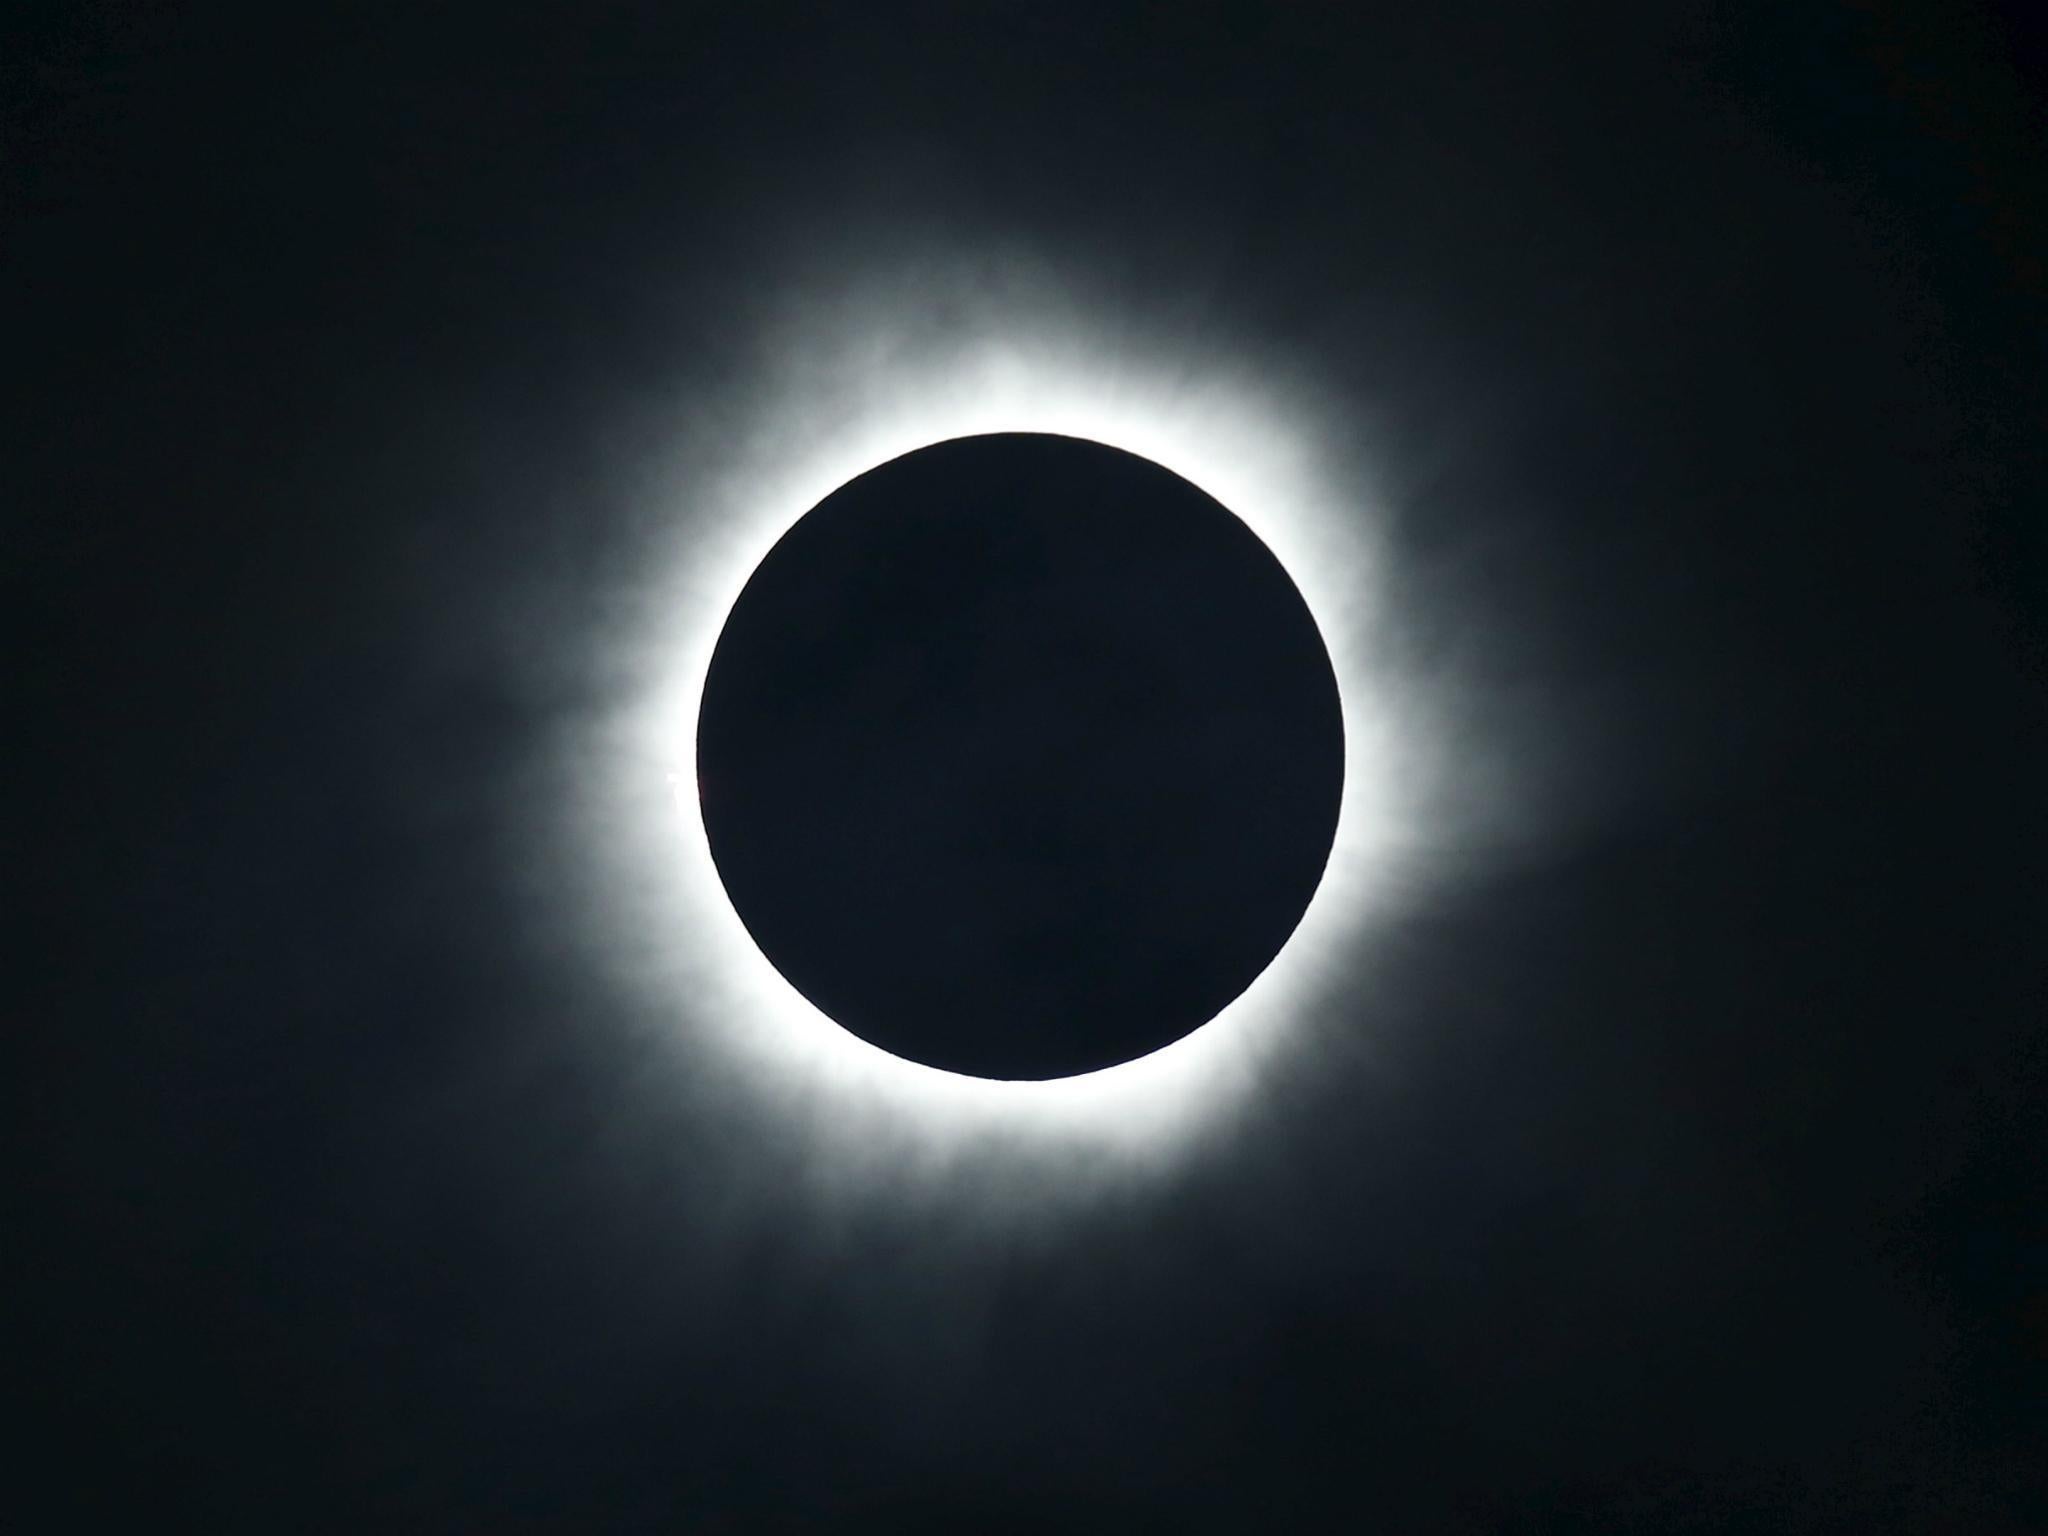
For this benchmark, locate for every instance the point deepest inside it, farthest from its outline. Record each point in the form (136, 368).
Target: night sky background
(1675, 1161)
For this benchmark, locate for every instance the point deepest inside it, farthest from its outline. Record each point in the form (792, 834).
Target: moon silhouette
(1020, 756)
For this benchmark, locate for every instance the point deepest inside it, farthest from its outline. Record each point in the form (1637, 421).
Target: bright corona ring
(1244, 444)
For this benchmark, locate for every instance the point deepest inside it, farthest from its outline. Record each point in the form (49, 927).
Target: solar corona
(1244, 449)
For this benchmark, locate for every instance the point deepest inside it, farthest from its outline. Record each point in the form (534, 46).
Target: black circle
(1020, 756)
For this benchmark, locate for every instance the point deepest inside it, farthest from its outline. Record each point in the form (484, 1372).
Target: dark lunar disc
(1020, 756)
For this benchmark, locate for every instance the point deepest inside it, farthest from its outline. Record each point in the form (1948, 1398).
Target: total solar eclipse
(1020, 756)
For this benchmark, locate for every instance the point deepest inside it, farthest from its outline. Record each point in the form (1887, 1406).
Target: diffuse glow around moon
(865, 392)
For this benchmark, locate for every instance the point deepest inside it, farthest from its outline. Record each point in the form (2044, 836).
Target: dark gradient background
(1686, 1169)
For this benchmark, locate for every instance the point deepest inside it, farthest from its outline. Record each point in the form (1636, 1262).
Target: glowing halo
(1245, 443)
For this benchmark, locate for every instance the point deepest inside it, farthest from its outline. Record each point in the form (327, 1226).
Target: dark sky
(1671, 1156)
